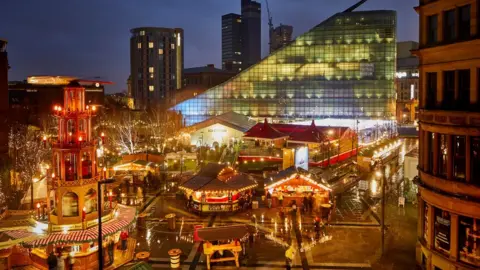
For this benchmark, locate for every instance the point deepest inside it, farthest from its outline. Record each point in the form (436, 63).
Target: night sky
(89, 38)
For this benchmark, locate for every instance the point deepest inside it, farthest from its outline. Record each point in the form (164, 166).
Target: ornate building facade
(449, 120)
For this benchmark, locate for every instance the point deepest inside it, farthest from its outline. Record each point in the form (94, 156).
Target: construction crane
(270, 25)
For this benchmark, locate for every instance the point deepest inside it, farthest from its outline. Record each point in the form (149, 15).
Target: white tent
(39, 191)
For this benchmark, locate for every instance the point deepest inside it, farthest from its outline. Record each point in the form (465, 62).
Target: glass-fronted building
(342, 68)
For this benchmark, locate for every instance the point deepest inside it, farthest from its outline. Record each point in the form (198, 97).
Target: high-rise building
(156, 61)
(232, 42)
(342, 68)
(3, 97)
(449, 135)
(406, 82)
(251, 33)
(280, 36)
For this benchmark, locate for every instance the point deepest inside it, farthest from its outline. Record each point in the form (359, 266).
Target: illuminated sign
(401, 75)
(415, 75)
(301, 158)
(412, 91)
(217, 130)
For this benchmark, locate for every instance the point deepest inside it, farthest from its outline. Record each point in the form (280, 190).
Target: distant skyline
(90, 38)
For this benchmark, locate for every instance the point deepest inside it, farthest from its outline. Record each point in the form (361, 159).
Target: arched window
(71, 167)
(86, 166)
(70, 205)
(91, 201)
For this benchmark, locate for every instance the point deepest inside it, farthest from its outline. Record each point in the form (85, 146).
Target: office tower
(280, 36)
(3, 97)
(342, 68)
(406, 82)
(449, 143)
(156, 61)
(251, 33)
(231, 42)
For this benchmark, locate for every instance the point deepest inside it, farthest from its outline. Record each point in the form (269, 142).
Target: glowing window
(172, 46)
(160, 51)
(142, 33)
(151, 69)
(150, 44)
(139, 45)
(151, 88)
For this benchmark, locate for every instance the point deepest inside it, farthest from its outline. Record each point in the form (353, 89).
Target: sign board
(288, 160)
(301, 158)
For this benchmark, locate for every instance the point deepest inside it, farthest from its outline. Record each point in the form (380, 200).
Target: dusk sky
(89, 38)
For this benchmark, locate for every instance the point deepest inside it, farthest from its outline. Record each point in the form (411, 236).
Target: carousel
(217, 188)
(75, 201)
(295, 184)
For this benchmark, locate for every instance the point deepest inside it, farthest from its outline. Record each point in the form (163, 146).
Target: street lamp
(110, 194)
(99, 209)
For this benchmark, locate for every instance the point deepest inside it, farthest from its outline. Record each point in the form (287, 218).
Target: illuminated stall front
(217, 188)
(296, 184)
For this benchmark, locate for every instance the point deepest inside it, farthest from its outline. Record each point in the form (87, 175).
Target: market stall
(217, 188)
(296, 184)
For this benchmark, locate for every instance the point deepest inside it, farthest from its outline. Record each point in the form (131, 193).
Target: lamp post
(99, 209)
(110, 198)
(380, 173)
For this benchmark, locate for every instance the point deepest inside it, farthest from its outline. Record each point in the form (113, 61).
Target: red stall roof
(264, 131)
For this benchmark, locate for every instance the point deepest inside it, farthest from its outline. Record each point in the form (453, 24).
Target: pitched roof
(215, 177)
(230, 119)
(311, 134)
(264, 131)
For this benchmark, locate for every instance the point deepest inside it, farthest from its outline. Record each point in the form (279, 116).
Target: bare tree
(159, 126)
(28, 150)
(124, 132)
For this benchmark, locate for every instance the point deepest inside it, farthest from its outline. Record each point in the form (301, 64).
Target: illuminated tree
(28, 150)
(124, 133)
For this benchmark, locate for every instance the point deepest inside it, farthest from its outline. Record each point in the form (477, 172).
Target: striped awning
(126, 216)
(18, 234)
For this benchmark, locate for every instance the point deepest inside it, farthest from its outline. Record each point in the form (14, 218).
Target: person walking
(123, 238)
(111, 248)
(60, 261)
(52, 261)
(294, 212)
(269, 199)
(280, 198)
(289, 256)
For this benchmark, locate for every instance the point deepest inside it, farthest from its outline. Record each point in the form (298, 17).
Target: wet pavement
(350, 241)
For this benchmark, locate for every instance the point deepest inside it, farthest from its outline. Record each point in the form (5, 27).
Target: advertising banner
(301, 158)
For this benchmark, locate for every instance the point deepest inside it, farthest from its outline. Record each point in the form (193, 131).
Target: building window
(459, 157)
(172, 46)
(449, 25)
(151, 88)
(468, 240)
(151, 76)
(442, 231)
(139, 45)
(150, 45)
(448, 89)
(432, 29)
(475, 160)
(464, 88)
(142, 33)
(431, 90)
(442, 155)
(151, 69)
(160, 51)
(464, 22)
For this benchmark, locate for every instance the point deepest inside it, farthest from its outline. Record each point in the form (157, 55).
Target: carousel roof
(126, 216)
(293, 173)
(264, 131)
(216, 177)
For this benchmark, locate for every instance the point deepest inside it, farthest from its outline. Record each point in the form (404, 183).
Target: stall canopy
(293, 176)
(223, 233)
(217, 177)
(135, 165)
(312, 134)
(264, 131)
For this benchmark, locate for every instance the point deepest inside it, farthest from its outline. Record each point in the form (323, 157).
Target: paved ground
(352, 242)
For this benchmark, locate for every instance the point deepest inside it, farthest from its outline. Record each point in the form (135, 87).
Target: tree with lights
(28, 149)
(124, 132)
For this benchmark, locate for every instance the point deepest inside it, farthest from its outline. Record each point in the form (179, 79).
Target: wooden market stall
(135, 170)
(295, 184)
(217, 188)
(220, 239)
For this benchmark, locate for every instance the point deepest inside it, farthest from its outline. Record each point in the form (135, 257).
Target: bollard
(171, 221)
(174, 257)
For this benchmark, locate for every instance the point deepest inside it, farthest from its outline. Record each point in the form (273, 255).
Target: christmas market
(218, 188)
(296, 184)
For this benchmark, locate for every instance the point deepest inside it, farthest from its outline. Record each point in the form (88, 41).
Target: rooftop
(208, 68)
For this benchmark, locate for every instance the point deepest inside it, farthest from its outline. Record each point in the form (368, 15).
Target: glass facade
(342, 68)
